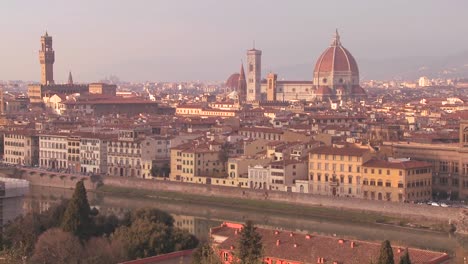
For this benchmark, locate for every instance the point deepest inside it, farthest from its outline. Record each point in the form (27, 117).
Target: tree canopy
(250, 248)
(386, 253)
(76, 219)
(405, 259)
(204, 254)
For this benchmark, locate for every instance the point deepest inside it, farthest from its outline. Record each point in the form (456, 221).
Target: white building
(53, 151)
(424, 82)
(124, 155)
(258, 177)
(93, 153)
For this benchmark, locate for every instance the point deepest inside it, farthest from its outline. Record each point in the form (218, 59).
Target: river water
(199, 218)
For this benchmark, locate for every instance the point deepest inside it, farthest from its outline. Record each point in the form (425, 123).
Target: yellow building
(397, 180)
(337, 171)
(196, 162)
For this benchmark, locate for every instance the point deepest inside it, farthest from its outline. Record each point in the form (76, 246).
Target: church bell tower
(47, 59)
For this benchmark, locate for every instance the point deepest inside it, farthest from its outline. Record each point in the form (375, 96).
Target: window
(225, 256)
(388, 184)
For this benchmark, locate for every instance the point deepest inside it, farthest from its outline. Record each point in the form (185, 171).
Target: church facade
(335, 77)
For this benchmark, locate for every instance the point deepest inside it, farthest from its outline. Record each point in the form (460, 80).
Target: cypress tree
(386, 253)
(405, 259)
(250, 248)
(76, 219)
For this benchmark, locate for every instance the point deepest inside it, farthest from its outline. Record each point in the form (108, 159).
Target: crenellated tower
(47, 59)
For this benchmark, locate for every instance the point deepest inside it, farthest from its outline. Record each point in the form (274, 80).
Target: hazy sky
(206, 39)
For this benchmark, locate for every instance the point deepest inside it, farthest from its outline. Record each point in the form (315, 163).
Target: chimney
(276, 232)
(399, 250)
(341, 241)
(291, 234)
(295, 245)
(235, 232)
(307, 236)
(232, 247)
(353, 244)
(277, 242)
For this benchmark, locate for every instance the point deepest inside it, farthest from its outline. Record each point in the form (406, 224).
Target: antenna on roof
(254, 44)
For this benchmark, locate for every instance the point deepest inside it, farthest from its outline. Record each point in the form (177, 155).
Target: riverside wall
(456, 216)
(447, 215)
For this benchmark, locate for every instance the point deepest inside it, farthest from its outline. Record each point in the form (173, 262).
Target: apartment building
(258, 177)
(197, 161)
(336, 171)
(93, 153)
(284, 173)
(449, 160)
(238, 169)
(21, 148)
(73, 154)
(397, 180)
(53, 151)
(155, 152)
(124, 154)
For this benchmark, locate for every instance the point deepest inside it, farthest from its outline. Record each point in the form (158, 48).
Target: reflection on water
(199, 218)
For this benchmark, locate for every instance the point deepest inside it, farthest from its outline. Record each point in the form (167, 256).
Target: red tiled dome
(323, 90)
(336, 58)
(233, 81)
(357, 90)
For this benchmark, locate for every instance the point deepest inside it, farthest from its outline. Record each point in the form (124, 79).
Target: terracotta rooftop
(306, 248)
(411, 164)
(349, 151)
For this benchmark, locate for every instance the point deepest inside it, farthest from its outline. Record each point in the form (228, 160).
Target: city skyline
(183, 41)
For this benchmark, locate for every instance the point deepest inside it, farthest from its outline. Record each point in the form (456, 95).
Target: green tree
(386, 254)
(76, 219)
(250, 248)
(405, 259)
(153, 215)
(204, 254)
(182, 239)
(144, 238)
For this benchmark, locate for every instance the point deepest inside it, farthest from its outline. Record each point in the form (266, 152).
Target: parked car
(435, 204)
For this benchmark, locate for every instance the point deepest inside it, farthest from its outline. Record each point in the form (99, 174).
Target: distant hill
(453, 66)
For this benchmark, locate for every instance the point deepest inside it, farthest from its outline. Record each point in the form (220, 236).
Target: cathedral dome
(336, 59)
(336, 66)
(233, 81)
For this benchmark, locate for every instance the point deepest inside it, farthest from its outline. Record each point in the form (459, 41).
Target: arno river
(199, 218)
